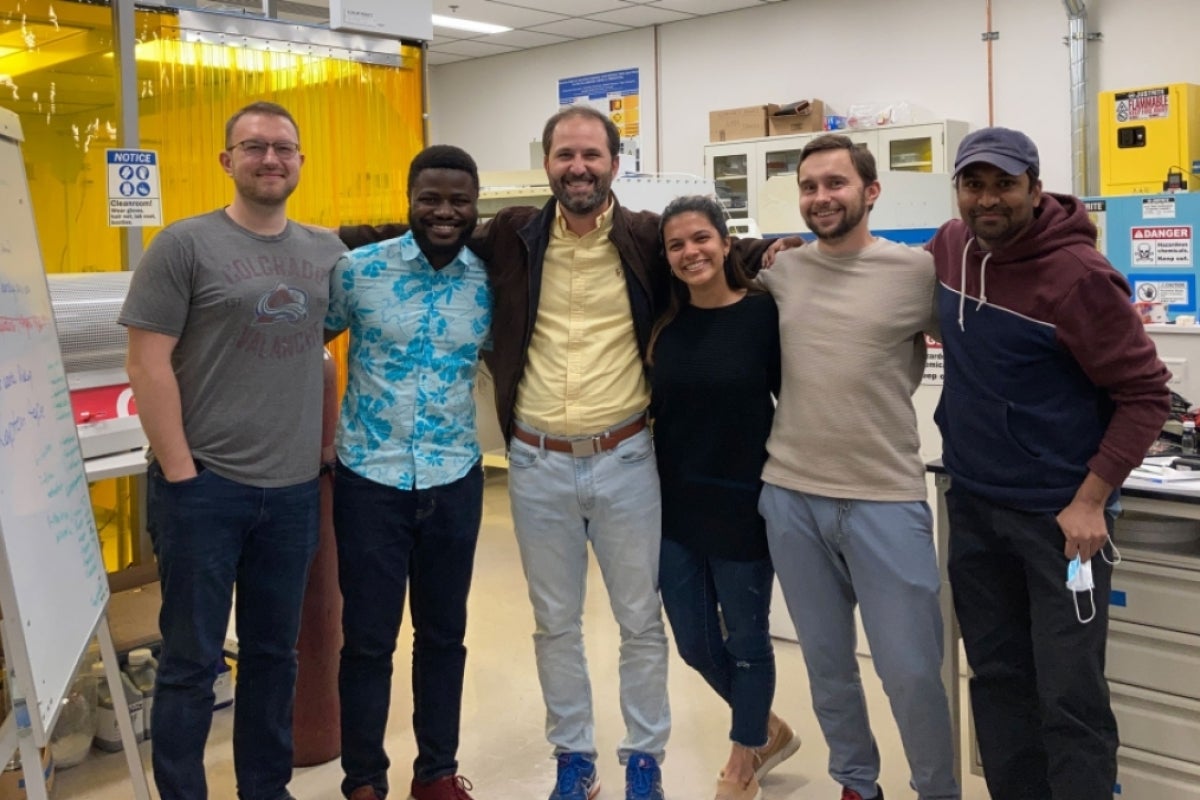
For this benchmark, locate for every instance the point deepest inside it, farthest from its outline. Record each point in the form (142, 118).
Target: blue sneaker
(577, 778)
(643, 778)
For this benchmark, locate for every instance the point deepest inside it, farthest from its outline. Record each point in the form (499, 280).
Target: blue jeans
(1041, 704)
(388, 540)
(831, 554)
(560, 504)
(211, 534)
(699, 592)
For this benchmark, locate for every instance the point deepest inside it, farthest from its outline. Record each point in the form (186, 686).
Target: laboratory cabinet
(1153, 659)
(740, 169)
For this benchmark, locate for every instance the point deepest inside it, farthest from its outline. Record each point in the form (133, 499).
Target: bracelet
(326, 468)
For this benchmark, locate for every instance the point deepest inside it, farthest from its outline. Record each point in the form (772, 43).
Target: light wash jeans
(560, 503)
(829, 555)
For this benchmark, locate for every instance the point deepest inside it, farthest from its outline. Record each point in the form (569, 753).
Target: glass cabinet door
(732, 181)
(911, 155)
(915, 148)
(781, 162)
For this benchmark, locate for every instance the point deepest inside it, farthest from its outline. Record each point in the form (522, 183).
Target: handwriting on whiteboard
(26, 324)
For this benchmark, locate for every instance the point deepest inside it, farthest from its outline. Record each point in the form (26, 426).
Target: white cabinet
(740, 169)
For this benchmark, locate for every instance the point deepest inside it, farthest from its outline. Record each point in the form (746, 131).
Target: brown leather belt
(581, 446)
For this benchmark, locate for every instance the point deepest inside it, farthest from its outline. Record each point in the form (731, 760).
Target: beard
(582, 203)
(432, 249)
(261, 195)
(851, 217)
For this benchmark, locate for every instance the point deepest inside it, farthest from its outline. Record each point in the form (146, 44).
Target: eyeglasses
(256, 148)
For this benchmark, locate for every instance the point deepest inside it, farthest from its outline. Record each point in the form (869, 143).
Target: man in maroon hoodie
(1053, 393)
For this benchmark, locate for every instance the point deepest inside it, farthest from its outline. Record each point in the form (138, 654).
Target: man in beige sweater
(844, 499)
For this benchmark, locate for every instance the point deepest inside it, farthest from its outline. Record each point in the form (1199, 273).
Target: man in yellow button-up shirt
(581, 467)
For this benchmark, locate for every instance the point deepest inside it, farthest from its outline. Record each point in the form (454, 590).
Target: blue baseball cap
(1004, 148)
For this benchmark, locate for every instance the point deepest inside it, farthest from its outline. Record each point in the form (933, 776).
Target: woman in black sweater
(714, 358)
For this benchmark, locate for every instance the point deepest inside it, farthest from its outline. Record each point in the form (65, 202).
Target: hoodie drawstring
(962, 287)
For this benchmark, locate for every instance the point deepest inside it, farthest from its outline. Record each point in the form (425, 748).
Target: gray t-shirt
(249, 313)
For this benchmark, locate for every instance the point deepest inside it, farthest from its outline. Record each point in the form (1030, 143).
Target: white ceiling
(534, 23)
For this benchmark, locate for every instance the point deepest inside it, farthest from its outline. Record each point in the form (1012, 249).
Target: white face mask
(1079, 581)
(1116, 556)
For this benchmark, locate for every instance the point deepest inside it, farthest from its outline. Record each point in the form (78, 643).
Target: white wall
(494, 107)
(927, 53)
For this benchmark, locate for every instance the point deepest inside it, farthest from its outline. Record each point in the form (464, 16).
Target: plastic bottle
(142, 669)
(1188, 440)
(76, 725)
(108, 735)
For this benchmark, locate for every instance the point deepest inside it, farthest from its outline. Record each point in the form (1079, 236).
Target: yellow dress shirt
(584, 372)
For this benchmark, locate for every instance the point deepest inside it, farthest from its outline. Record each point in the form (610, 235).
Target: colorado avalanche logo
(281, 304)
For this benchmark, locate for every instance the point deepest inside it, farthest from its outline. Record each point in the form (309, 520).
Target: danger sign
(935, 363)
(1161, 245)
(1144, 104)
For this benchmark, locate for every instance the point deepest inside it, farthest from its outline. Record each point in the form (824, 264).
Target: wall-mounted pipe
(1077, 37)
(991, 75)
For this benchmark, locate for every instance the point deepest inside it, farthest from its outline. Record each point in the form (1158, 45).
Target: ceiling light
(471, 25)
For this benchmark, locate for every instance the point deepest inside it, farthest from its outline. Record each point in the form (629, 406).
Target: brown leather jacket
(513, 244)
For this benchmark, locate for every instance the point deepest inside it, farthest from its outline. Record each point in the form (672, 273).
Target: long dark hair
(735, 274)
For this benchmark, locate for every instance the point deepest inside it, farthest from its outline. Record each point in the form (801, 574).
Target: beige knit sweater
(853, 349)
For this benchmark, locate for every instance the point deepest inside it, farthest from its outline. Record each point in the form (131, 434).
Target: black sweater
(713, 376)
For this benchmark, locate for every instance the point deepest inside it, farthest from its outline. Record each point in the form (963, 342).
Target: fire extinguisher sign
(1143, 104)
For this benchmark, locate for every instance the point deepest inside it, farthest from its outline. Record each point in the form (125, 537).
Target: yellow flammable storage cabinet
(1146, 133)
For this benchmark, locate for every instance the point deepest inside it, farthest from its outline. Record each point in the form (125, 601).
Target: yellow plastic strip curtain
(360, 123)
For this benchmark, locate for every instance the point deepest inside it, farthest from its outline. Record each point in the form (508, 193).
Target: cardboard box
(808, 118)
(12, 781)
(748, 122)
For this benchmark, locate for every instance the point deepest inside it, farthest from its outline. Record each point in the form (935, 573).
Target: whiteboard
(53, 587)
(653, 192)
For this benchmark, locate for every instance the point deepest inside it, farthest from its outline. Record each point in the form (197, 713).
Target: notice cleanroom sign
(134, 197)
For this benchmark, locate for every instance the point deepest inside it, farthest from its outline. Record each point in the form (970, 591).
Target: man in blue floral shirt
(408, 494)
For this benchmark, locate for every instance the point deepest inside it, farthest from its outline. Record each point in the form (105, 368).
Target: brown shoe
(736, 790)
(448, 787)
(365, 792)
(782, 743)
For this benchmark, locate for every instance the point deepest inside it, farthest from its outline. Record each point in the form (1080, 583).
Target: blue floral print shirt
(408, 416)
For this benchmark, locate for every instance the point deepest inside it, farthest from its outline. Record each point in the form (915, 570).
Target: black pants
(1039, 695)
(389, 541)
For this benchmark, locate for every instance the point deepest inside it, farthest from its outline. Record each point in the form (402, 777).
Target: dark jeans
(388, 538)
(211, 534)
(1038, 692)
(699, 592)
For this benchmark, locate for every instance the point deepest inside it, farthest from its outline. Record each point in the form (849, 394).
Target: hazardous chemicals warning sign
(1161, 245)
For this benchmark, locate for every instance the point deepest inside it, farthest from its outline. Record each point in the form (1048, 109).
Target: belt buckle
(585, 448)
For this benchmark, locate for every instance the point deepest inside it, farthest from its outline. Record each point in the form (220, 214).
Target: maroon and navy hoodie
(1049, 370)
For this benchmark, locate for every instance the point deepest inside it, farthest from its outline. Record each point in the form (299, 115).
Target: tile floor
(503, 750)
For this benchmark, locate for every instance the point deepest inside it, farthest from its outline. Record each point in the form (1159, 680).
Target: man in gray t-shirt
(225, 316)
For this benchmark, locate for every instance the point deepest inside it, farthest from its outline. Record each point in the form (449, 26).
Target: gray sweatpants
(829, 555)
